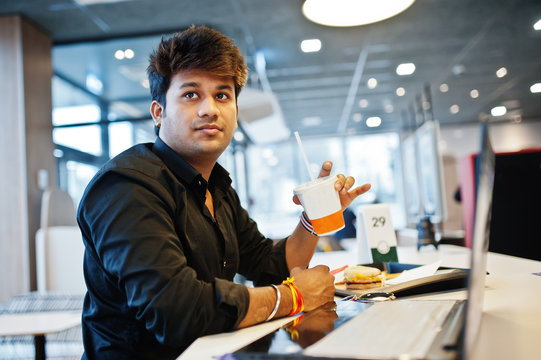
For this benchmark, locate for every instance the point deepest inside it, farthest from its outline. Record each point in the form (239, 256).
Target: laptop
(436, 329)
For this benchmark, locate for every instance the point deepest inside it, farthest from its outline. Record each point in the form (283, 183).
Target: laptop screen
(484, 176)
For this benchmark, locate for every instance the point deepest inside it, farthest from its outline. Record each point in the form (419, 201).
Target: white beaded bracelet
(307, 224)
(277, 303)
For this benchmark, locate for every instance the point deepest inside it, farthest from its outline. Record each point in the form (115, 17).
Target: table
(511, 322)
(38, 324)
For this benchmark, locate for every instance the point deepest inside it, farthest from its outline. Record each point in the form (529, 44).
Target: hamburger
(365, 277)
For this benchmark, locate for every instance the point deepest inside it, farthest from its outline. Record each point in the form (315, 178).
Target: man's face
(200, 115)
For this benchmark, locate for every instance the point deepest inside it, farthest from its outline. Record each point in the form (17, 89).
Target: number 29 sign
(376, 235)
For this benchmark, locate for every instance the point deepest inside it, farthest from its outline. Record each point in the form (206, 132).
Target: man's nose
(208, 107)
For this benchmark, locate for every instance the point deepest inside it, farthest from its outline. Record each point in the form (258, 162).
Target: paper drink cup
(321, 203)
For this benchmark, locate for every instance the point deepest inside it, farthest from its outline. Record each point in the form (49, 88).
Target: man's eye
(222, 96)
(190, 95)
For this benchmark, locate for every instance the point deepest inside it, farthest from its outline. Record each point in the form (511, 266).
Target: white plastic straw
(301, 149)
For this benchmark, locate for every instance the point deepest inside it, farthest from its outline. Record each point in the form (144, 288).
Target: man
(164, 230)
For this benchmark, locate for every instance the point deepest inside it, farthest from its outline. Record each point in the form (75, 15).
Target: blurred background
(395, 103)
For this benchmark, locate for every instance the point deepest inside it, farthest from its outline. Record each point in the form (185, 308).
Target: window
(274, 170)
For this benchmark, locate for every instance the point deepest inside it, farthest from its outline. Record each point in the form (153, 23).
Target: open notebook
(405, 329)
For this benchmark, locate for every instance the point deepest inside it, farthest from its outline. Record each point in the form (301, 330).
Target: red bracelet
(298, 301)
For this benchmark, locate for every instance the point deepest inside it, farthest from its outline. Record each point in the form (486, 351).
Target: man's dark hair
(198, 47)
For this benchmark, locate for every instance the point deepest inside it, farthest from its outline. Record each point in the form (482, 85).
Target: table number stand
(376, 237)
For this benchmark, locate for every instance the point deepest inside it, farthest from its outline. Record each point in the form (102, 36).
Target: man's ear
(156, 110)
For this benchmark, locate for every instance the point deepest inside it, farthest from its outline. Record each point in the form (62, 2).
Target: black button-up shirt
(158, 267)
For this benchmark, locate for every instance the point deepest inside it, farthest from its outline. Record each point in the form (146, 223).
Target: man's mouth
(209, 129)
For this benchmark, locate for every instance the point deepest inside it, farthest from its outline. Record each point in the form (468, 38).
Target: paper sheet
(415, 273)
(212, 347)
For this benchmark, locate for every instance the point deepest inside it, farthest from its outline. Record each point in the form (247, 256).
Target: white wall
(464, 140)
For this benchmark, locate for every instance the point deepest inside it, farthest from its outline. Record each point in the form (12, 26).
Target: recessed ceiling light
(498, 111)
(444, 88)
(357, 117)
(311, 45)
(389, 108)
(352, 12)
(426, 105)
(537, 25)
(535, 88)
(474, 94)
(145, 83)
(119, 54)
(400, 91)
(501, 72)
(129, 54)
(405, 69)
(454, 109)
(372, 83)
(363, 103)
(373, 121)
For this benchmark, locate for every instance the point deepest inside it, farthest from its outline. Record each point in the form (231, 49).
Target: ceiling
(460, 43)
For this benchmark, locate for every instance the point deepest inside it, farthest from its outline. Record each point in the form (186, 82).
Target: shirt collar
(219, 177)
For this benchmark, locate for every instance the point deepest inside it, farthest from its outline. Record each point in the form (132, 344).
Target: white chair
(57, 209)
(59, 246)
(59, 260)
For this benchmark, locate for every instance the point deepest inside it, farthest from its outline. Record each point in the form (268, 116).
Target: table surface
(511, 322)
(38, 323)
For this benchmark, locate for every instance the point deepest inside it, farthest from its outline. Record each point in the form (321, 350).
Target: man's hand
(316, 285)
(342, 185)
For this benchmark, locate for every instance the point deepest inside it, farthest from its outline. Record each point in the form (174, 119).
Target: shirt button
(199, 182)
(225, 263)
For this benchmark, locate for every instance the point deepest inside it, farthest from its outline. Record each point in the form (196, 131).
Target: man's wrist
(306, 224)
(277, 305)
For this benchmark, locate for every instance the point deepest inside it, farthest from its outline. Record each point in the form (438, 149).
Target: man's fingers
(359, 190)
(325, 169)
(348, 183)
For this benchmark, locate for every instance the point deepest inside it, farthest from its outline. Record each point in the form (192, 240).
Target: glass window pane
(71, 105)
(124, 134)
(274, 170)
(273, 173)
(375, 159)
(119, 110)
(79, 175)
(83, 138)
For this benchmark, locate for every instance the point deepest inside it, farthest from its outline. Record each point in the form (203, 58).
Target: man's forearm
(262, 302)
(300, 247)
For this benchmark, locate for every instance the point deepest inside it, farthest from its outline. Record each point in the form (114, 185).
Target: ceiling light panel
(311, 45)
(535, 88)
(373, 121)
(498, 111)
(405, 69)
(352, 12)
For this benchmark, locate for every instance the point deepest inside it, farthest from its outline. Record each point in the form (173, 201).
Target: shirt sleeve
(262, 260)
(129, 226)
